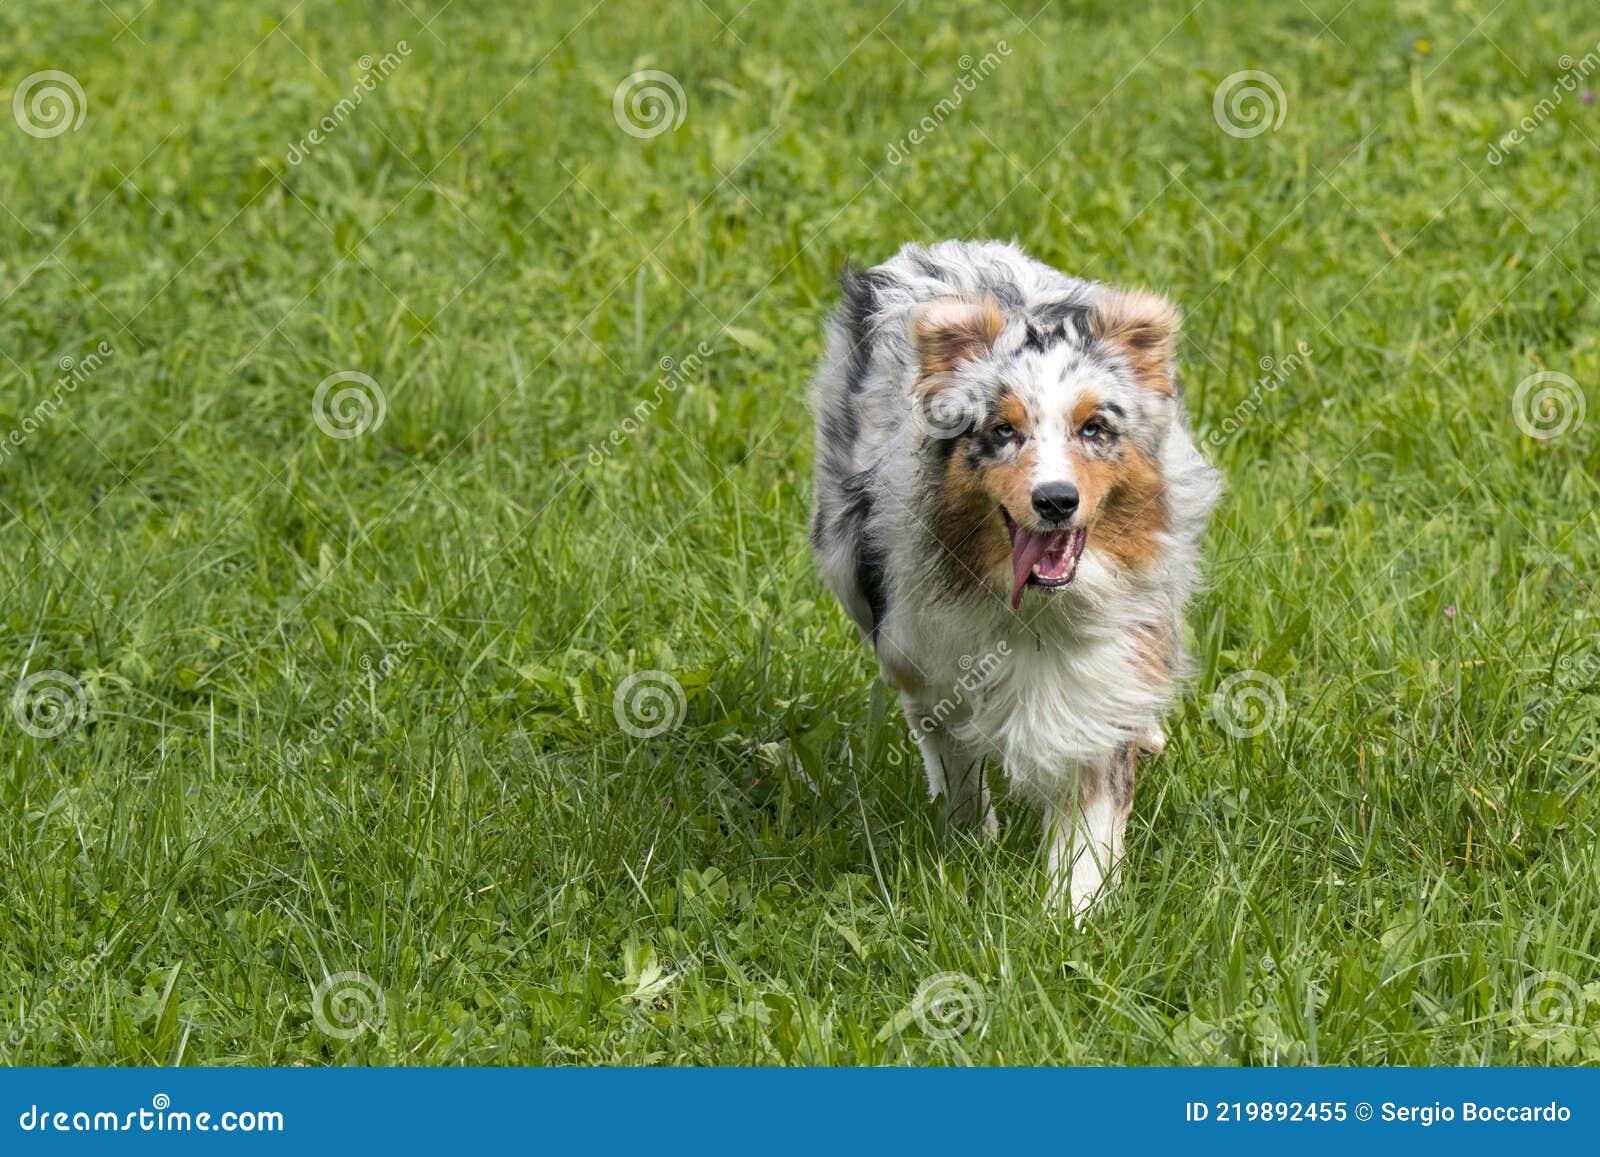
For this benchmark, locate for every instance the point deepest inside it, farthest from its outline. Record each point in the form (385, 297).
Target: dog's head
(1047, 431)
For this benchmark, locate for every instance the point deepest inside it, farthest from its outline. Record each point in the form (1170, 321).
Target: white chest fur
(1043, 698)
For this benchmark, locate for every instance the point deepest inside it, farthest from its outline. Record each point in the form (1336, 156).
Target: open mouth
(1047, 559)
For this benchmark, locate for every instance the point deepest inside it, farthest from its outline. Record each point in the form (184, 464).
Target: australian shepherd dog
(1009, 504)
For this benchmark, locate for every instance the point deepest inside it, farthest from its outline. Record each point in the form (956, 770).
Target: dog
(1009, 504)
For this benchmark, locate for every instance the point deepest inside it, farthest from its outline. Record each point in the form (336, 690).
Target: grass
(347, 703)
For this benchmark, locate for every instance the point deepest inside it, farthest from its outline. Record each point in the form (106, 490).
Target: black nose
(1055, 501)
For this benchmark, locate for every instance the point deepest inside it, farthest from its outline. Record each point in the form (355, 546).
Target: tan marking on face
(1122, 502)
(1084, 409)
(1144, 326)
(1095, 478)
(1010, 484)
(974, 539)
(1012, 410)
(969, 526)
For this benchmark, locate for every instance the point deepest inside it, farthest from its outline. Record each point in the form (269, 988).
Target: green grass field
(283, 706)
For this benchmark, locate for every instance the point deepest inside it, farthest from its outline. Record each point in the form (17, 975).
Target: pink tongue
(1028, 548)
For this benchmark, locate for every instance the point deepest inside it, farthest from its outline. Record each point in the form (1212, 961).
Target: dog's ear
(1144, 326)
(952, 331)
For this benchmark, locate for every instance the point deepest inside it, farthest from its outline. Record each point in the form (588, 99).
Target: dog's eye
(1095, 430)
(1006, 432)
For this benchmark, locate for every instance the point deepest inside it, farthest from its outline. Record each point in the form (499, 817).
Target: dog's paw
(966, 818)
(990, 827)
(1152, 742)
(1083, 901)
(1080, 896)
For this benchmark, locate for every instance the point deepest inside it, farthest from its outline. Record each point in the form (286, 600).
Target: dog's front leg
(955, 772)
(1084, 840)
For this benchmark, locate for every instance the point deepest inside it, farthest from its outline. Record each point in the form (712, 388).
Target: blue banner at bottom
(780, 1111)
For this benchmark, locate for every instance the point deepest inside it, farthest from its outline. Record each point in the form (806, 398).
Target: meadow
(410, 648)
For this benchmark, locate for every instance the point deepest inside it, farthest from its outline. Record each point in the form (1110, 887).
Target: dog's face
(1049, 435)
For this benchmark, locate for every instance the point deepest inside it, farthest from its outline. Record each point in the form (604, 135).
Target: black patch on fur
(860, 303)
(870, 558)
(1007, 296)
(1039, 338)
(874, 584)
(982, 447)
(819, 527)
(944, 448)
(1080, 325)
(1120, 776)
(1056, 322)
(840, 426)
(926, 265)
